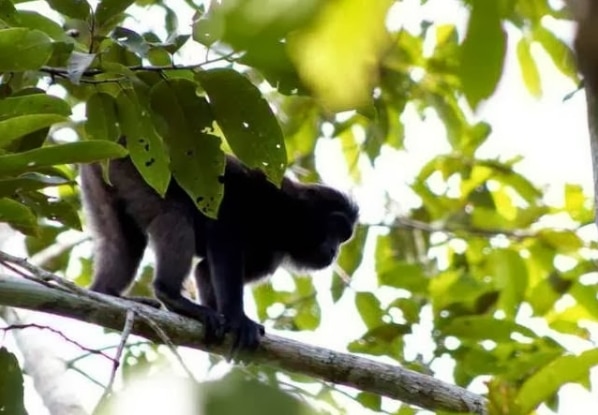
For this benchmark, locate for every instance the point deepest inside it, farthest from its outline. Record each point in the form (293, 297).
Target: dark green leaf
(196, 160)
(77, 9)
(11, 384)
(29, 181)
(18, 216)
(102, 123)
(52, 208)
(16, 127)
(108, 9)
(130, 40)
(22, 49)
(250, 127)
(79, 152)
(483, 51)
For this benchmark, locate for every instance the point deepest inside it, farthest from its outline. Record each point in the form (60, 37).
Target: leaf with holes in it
(18, 216)
(22, 49)
(196, 160)
(11, 384)
(70, 153)
(483, 51)
(247, 121)
(16, 127)
(145, 147)
(102, 123)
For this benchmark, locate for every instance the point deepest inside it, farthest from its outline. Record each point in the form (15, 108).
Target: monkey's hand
(246, 334)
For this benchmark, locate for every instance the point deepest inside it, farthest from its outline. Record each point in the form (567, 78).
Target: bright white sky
(550, 133)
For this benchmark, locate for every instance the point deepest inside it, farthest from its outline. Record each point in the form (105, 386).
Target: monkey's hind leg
(173, 240)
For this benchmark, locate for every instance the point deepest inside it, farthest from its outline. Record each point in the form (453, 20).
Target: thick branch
(339, 368)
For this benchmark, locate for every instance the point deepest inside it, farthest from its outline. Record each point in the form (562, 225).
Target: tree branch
(340, 368)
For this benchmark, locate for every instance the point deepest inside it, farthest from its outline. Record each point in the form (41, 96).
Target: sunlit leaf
(529, 69)
(369, 309)
(23, 49)
(483, 51)
(341, 47)
(485, 328)
(545, 382)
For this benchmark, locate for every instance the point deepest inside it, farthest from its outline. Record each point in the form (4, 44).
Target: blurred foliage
(266, 80)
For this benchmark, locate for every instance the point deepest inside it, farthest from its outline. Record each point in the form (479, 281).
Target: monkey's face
(320, 240)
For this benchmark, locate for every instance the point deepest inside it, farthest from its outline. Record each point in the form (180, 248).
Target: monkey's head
(325, 220)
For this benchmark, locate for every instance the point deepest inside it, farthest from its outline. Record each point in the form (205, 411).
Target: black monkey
(259, 227)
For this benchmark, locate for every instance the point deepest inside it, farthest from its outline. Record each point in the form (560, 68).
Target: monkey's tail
(119, 242)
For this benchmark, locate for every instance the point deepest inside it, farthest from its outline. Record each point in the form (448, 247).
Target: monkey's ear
(340, 226)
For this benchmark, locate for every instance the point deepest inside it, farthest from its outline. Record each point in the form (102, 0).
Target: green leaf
(108, 9)
(22, 49)
(483, 52)
(102, 122)
(18, 216)
(250, 127)
(16, 127)
(11, 384)
(369, 309)
(131, 40)
(349, 260)
(77, 9)
(510, 273)
(33, 104)
(196, 159)
(479, 328)
(547, 381)
(52, 208)
(562, 56)
(563, 240)
(146, 149)
(78, 152)
(29, 181)
(8, 13)
(529, 69)
(34, 20)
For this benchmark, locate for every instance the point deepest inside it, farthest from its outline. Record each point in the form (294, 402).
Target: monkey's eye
(340, 226)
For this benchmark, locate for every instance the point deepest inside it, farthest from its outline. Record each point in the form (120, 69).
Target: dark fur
(259, 227)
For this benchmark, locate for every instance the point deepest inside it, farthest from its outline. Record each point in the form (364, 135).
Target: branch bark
(340, 368)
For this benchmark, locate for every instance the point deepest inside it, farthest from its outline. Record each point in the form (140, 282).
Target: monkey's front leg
(173, 239)
(225, 258)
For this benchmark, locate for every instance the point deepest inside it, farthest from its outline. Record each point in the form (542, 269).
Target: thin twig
(55, 331)
(130, 319)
